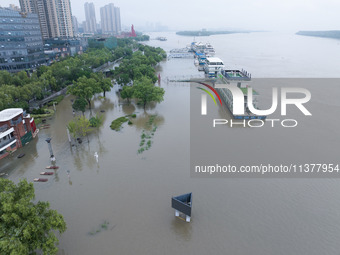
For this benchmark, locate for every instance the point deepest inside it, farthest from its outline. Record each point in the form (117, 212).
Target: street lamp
(48, 140)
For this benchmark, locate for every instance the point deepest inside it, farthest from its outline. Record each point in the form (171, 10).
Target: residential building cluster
(41, 31)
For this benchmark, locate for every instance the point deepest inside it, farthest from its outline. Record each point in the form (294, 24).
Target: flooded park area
(120, 201)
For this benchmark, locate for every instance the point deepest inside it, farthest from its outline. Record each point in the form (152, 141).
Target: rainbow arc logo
(204, 98)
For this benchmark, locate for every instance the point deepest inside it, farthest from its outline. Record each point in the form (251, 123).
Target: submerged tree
(86, 88)
(79, 105)
(104, 83)
(24, 226)
(146, 91)
(127, 92)
(79, 126)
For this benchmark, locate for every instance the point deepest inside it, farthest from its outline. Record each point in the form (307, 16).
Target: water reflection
(128, 108)
(182, 229)
(11, 162)
(142, 121)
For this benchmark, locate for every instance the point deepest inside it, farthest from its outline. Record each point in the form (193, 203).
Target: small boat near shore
(46, 173)
(21, 155)
(40, 180)
(52, 167)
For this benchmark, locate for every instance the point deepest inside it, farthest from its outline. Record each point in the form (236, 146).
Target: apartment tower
(110, 19)
(90, 18)
(55, 16)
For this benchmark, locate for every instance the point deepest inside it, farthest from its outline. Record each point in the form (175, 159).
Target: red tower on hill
(133, 33)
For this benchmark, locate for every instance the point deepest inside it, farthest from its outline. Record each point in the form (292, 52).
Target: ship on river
(241, 79)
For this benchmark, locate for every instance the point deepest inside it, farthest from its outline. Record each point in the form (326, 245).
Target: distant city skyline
(220, 14)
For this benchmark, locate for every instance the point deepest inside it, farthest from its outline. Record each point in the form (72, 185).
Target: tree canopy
(146, 91)
(85, 88)
(18, 89)
(79, 126)
(127, 92)
(79, 104)
(25, 226)
(141, 63)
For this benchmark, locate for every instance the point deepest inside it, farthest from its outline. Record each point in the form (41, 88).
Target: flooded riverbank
(130, 192)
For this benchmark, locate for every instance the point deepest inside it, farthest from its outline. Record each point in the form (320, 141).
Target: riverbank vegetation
(144, 91)
(327, 34)
(27, 227)
(79, 127)
(19, 89)
(141, 63)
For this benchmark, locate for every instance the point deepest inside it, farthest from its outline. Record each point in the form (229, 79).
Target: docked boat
(201, 57)
(52, 167)
(213, 66)
(180, 53)
(199, 47)
(241, 79)
(40, 180)
(209, 50)
(46, 173)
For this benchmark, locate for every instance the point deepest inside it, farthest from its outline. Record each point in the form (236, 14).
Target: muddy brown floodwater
(121, 204)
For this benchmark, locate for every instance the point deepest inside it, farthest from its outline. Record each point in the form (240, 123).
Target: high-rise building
(21, 45)
(27, 6)
(117, 17)
(64, 17)
(75, 25)
(90, 17)
(110, 19)
(55, 16)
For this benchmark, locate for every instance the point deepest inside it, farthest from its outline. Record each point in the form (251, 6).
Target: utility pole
(48, 140)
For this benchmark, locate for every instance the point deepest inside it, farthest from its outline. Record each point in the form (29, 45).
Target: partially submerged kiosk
(182, 204)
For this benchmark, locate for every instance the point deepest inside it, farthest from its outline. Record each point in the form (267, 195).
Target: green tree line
(18, 89)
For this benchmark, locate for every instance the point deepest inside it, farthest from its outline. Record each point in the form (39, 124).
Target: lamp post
(48, 140)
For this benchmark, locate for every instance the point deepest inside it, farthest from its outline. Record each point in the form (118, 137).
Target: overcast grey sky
(239, 14)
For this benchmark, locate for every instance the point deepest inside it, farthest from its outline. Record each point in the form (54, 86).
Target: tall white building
(64, 18)
(55, 16)
(110, 19)
(117, 17)
(75, 25)
(90, 18)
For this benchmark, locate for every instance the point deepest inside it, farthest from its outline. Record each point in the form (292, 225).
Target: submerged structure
(182, 204)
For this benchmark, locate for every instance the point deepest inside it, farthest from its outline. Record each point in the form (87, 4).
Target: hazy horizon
(273, 15)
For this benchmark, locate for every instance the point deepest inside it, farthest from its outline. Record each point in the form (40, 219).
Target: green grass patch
(117, 123)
